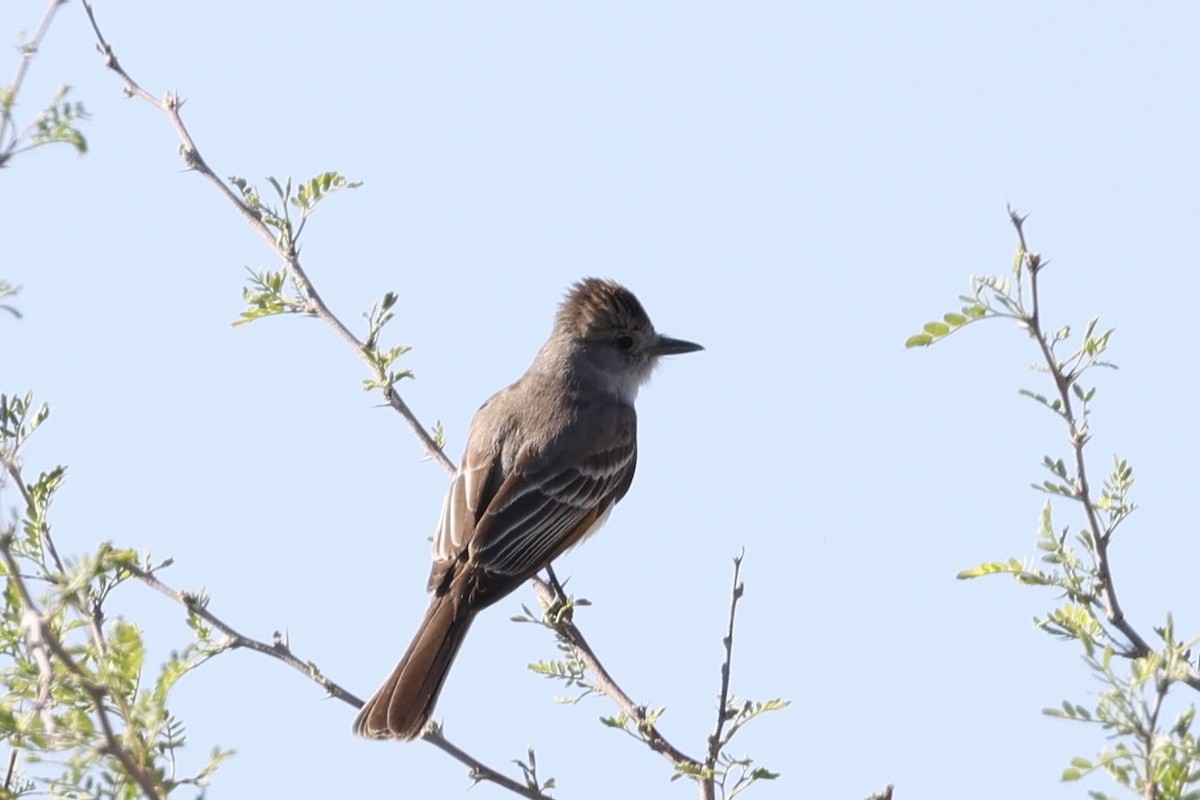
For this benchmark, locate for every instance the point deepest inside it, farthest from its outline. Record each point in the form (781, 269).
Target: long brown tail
(402, 706)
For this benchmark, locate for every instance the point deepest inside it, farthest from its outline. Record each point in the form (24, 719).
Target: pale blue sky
(796, 187)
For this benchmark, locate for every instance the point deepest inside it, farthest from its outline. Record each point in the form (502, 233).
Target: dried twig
(715, 742)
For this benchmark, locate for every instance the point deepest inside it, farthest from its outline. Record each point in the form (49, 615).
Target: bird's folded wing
(539, 512)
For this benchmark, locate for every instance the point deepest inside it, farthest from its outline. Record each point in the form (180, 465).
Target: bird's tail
(402, 706)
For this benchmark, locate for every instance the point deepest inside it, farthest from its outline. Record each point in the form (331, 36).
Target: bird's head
(606, 323)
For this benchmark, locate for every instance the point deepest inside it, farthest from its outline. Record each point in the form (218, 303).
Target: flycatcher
(546, 459)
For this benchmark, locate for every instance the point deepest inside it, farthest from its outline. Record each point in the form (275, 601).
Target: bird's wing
(547, 504)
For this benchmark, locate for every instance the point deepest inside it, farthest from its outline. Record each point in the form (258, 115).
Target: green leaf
(918, 340)
(126, 654)
(989, 568)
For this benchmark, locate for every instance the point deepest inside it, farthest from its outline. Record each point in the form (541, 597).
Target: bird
(546, 460)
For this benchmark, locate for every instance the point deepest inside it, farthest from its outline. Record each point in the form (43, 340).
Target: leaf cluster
(58, 120)
(86, 716)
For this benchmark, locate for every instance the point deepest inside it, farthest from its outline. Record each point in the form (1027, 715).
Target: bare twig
(278, 649)
(170, 106)
(478, 770)
(281, 650)
(12, 769)
(28, 51)
(39, 629)
(715, 742)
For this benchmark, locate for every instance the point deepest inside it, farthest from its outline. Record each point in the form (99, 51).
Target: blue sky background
(796, 186)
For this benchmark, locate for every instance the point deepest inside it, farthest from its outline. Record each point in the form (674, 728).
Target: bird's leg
(552, 579)
(561, 607)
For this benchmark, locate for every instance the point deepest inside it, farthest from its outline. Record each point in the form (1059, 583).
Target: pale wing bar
(459, 512)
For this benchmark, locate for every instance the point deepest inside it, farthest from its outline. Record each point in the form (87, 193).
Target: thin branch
(604, 683)
(14, 469)
(715, 742)
(1078, 436)
(281, 650)
(27, 53)
(278, 649)
(12, 769)
(478, 770)
(170, 106)
(40, 630)
(234, 640)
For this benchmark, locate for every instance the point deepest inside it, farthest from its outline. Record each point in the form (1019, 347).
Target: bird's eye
(624, 342)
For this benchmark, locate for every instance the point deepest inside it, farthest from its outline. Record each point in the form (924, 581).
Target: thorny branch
(279, 648)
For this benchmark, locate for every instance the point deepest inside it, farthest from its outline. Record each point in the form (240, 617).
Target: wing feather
(539, 513)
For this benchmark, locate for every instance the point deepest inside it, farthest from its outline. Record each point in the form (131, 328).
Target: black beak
(666, 346)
